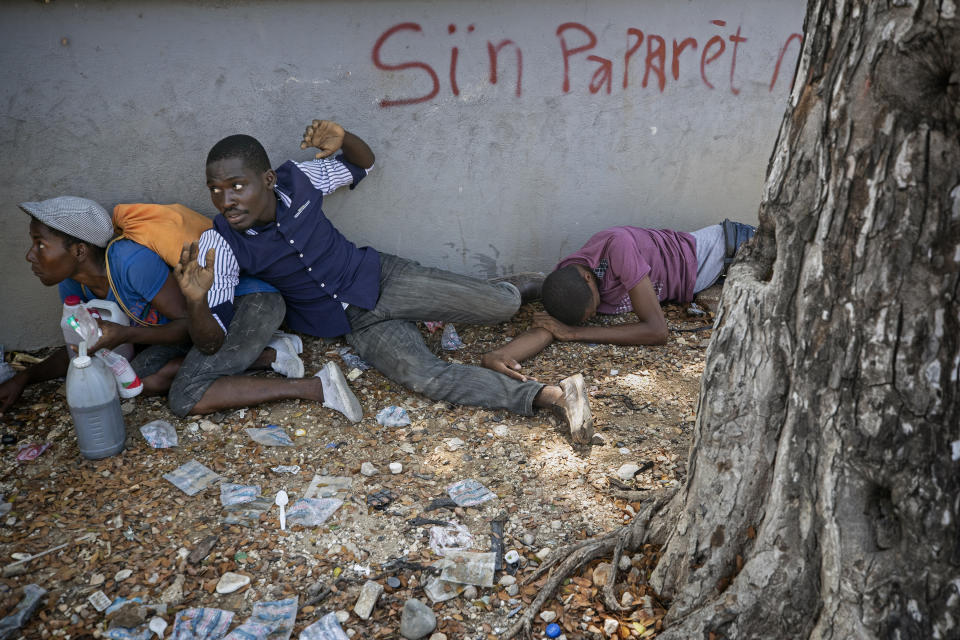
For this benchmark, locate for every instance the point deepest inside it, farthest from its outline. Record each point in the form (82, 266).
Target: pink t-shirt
(622, 256)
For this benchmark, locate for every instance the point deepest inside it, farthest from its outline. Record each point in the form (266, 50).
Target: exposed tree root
(572, 557)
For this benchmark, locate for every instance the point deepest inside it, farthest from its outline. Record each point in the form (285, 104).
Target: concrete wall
(581, 129)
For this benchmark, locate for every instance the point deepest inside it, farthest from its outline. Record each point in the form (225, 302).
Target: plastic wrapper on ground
(469, 493)
(270, 436)
(326, 628)
(191, 477)
(311, 512)
(393, 416)
(159, 434)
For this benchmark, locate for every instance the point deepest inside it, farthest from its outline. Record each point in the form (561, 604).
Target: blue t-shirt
(139, 274)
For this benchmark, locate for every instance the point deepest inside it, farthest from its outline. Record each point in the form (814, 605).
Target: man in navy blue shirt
(271, 226)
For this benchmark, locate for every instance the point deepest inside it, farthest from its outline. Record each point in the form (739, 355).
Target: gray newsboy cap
(77, 217)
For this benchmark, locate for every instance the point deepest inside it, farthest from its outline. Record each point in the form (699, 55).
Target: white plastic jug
(95, 407)
(109, 311)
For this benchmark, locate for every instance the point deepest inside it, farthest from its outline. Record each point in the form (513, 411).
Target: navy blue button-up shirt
(316, 269)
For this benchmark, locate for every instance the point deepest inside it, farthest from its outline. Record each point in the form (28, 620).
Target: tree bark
(824, 484)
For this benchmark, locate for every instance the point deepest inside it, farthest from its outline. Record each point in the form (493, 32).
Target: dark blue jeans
(388, 338)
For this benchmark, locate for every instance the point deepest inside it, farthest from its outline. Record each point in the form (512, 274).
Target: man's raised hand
(325, 135)
(195, 281)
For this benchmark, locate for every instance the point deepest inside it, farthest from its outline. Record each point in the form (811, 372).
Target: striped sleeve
(226, 276)
(329, 174)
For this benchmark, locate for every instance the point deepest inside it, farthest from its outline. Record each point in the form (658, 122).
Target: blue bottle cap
(553, 630)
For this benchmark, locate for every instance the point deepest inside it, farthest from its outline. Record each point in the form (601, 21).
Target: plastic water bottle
(95, 407)
(70, 336)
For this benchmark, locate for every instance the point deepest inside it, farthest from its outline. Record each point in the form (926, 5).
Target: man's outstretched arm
(650, 327)
(328, 137)
(507, 359)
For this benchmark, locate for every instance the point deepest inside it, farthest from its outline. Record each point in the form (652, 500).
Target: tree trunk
(824, 484)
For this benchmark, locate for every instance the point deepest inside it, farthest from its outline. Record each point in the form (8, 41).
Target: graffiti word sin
(648, 53)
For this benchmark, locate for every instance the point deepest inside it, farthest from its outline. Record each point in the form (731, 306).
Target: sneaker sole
(577, 410)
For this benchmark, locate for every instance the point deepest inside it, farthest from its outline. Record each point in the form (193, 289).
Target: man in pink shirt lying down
(618, 270)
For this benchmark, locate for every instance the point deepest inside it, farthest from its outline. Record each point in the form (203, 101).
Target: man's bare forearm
(634, 333)
(526, 345)
(205, 331)
(356, 151)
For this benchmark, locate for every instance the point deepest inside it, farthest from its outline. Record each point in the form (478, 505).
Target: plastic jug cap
(71, 301)
(82, 360)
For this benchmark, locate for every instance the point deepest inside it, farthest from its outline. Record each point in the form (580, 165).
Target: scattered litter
(238, 493)
(553, 630)
(141, 632)
(450, 340)
(281, 501)
(379, 500)
(394, 582)
(395, 468)
(249, 631)
(230, 582)
(158, 625)
(328, 486)
(99, 600)
(326, 628)
(454, 443)
(270, 436)
(300, 433)
(247, 514)
(433, 325)
(277, 616)
(469, 568)
(293, 469)
(695, 310)
(511, 557)
(32, 595)
(159, 434)
(451, 537)
(311, 512)
(31, 451)
(191, 478)
(469, 493)
(440, 503)
(201, 624)
(496, 541)
(352, 360)
(393, 416)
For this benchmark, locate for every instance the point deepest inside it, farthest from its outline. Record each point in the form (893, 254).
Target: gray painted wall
(120, 101)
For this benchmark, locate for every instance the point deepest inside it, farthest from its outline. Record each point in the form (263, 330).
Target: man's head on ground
(66, 233)
(241, 182)
(570, 294)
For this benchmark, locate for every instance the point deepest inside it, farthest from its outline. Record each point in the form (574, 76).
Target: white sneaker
(576, 409)
(337, 394)
(294, 339)
(287, 362)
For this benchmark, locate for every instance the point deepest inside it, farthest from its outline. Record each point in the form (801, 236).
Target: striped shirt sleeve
(329, 174)
(226, 276)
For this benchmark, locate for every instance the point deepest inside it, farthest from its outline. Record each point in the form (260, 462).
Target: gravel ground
(548, 493)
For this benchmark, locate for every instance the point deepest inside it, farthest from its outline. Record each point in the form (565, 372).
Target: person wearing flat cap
(71, 247)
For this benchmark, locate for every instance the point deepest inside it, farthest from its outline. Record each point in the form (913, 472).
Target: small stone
(624, 450)
(548, 616)
(417, 620)
(395, 468)
(230, 582)
(127, 408)
(543, 553)
(626, 600)
(627, 471)
(208, 426)
(513, 590)
(454, 443)
(507, 580)
(438, 636)
(610, 626)
(122, 575)
(470, 593)
(625, 563)
(342, 615)
(529, 539)
(602, 573)
(369, 594)
(174, 593)
(97, 579)
(556, 525)
(501, 430)
(368, 469)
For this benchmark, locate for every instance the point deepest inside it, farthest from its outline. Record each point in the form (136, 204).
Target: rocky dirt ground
(127, 530)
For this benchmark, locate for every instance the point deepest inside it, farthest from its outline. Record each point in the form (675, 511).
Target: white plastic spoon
(158, 625)
(282, 501)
